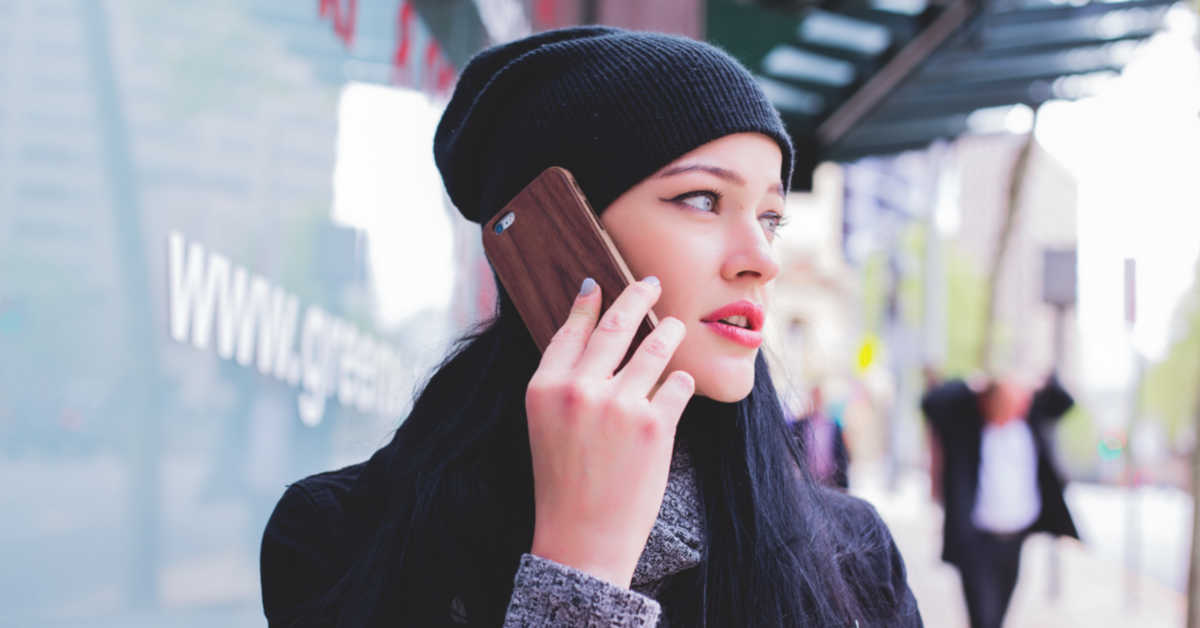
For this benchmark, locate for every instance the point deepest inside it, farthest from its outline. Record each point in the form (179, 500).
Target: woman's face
(704, 225)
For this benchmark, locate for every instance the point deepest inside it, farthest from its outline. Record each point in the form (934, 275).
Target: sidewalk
(1093, 589)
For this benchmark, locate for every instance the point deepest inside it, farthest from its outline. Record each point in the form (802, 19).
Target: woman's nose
(749, 252)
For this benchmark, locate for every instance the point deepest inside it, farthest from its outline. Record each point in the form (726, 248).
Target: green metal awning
(869, 77)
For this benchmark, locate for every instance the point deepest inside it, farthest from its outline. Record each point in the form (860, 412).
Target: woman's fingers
(568, 342)
(673, 396)
(601, 451)
(644, 369)
(610, 339)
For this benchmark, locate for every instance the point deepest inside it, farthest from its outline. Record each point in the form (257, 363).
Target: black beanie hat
(610, 105)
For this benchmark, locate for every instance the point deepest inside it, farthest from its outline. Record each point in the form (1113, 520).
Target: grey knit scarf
(678, 534)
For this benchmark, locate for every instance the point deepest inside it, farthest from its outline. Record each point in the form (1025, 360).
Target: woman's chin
(721, 375)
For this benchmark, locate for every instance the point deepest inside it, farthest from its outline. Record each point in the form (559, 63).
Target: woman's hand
(602, 441)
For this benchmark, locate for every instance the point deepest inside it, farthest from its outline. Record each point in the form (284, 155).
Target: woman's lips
(749, 336)
(752, 312)
(745, 337)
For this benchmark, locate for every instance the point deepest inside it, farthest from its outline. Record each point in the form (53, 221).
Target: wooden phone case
(553, 242)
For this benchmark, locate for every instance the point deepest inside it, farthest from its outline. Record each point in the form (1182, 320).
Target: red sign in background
(424, 67)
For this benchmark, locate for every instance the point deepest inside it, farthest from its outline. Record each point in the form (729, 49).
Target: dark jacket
(321, 523)
(954, 412)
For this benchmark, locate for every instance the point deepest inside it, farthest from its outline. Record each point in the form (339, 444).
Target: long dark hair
(451, 501)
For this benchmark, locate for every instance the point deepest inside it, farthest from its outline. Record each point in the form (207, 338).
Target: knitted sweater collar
(677, 537)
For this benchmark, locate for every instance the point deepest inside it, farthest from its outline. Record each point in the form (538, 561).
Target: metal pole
(893, 327)
(1132, 502)
(1054, 589)
(1059, 287)
(1132, 531)
(1193, 592)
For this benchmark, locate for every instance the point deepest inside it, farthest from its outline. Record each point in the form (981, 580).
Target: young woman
(555, 489)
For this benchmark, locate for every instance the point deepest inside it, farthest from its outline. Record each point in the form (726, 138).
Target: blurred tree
(966, 306)
(1016, 184)
(1077, 439)
(1193, 593)
(1169, 389)
(874, 292)
(912, 247)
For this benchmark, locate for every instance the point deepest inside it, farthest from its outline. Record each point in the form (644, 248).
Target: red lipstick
(749, 335)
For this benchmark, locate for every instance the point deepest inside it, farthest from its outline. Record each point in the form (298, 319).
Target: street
(1095, 587)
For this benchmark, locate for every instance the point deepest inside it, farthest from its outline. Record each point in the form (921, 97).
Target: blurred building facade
(887, 263)
(186, 327)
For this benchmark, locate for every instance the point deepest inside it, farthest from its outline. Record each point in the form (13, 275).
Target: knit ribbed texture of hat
(610, 105)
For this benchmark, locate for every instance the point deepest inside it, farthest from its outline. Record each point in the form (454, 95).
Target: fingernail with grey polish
(651, 280)
(588, 286)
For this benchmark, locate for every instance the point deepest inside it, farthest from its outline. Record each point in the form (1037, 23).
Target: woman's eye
(773, 222)
(703, 201)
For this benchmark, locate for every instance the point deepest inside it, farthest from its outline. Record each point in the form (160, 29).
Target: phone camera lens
(505, 222)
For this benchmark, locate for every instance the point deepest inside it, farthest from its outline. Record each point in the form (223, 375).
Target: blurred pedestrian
(823, 441)
(999, 482)
(554, 489)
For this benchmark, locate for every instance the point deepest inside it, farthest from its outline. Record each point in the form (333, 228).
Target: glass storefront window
(226, 261)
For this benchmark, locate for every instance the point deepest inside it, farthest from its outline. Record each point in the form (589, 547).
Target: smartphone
(543, 244)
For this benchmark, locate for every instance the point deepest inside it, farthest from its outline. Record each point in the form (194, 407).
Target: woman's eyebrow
(717, 171)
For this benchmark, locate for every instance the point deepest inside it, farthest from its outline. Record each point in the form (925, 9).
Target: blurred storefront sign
(256, 324)
(1059, 277)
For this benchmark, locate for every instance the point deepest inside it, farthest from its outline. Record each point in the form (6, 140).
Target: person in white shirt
(999, 482)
